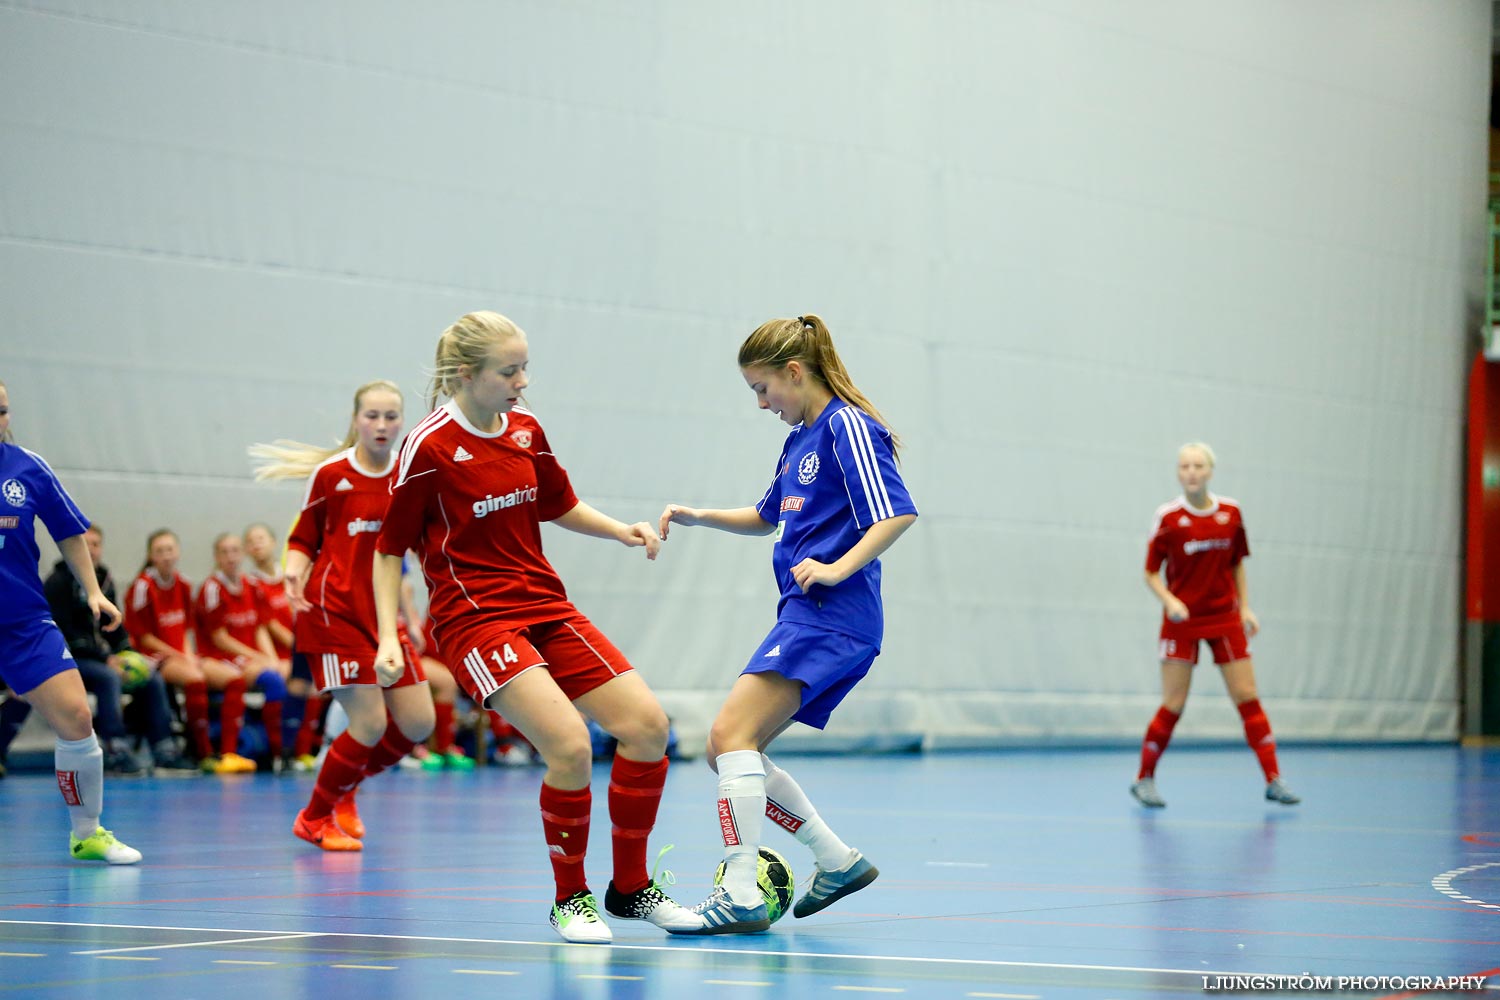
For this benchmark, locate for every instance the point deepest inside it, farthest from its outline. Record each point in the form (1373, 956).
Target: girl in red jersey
(474, 483)
(269, 583)
(231, 626)
(1195, 567)
(328, 562)
(304, 705)
(157, 616)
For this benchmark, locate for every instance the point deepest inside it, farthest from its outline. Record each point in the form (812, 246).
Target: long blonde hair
(463, 348)
(777, 342)
(285, 459)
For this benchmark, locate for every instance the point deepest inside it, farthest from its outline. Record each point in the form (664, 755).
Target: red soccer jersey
(1200, 549)
(342, 511)
(227, 605)
(471, 505)
(160, 608)
(273, 605)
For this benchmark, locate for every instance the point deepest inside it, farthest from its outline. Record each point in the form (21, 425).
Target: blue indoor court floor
(1007, 874)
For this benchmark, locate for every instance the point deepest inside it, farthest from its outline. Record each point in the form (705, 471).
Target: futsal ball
(137, 669)
(774, 877)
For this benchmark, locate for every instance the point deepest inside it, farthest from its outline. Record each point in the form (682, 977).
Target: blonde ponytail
(806, 339)
(284, 459)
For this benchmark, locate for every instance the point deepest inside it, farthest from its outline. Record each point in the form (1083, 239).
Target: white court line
(239, 961)
(486, 972)
(732, 982)
(988, 963)
(1444, 884)
(193, 944)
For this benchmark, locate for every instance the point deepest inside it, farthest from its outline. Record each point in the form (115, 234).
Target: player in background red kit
(328, 560)
(1195, 567)
(232, 628)
(474, 482)
(158, 614)
(304, 705)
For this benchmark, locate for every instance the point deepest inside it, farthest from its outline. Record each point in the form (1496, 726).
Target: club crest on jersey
(792, 503)
(490, 504)
(807, 469)
(15, 492)
(1184, 521)
(522, 438)
(1222, 517)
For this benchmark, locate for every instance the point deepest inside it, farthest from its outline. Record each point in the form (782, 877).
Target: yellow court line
(381, 968)
(239, 961)
(487, 972)
(627, 979)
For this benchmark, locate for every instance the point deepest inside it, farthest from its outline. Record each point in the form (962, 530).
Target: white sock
(787, 806)
(742, 808)
(80, 778)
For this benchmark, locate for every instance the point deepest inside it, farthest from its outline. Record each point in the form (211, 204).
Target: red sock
(1258, 735)
(1158, 735)
(442, 733)
(231, 716)
(270, 714)
(634, 793)
(195, 705)
(342, 769)
(392, 747)
(565, 825)
(312, 724)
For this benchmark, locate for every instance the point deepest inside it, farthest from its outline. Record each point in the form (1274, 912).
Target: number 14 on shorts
(504, 656)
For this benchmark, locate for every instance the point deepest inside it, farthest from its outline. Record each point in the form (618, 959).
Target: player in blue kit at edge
(34, 656)
(836, 504)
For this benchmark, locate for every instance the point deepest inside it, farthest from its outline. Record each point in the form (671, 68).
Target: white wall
(1053, 239)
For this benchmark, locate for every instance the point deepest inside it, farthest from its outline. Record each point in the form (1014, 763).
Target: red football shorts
(1180, 642)
(485, 658)
(348, 668)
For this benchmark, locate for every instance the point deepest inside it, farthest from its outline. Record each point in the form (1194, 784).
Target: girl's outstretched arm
(739, 520)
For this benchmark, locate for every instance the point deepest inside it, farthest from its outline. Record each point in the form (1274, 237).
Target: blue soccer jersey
(834, 480)
(28, 490)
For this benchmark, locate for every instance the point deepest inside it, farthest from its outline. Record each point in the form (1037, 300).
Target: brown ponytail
(805, 339)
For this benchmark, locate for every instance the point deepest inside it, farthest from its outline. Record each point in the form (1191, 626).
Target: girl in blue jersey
(34, 657)
(835, 504)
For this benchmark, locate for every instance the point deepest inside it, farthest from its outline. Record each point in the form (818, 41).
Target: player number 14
(502, 658)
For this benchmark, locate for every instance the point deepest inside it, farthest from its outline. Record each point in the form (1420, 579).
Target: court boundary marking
(602, 949)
